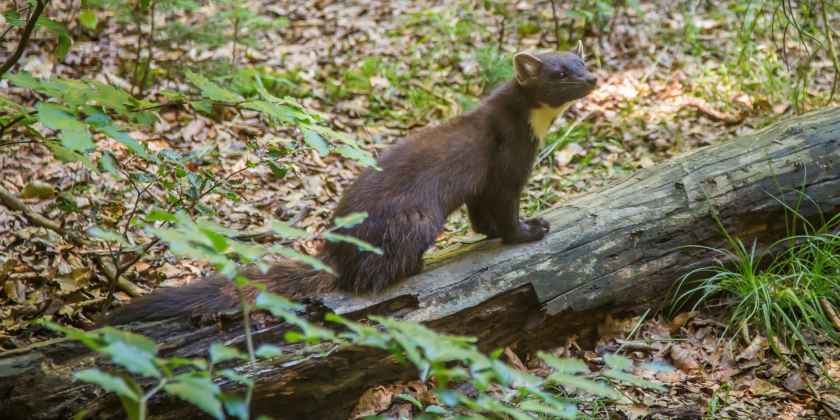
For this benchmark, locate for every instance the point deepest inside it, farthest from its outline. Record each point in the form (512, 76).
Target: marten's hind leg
(402, 238)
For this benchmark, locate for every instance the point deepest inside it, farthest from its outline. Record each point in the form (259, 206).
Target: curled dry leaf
(514, 360)
(685, 359)
(755, 349)
(15, 290)
(679, 321)
(372, 402)
(635, 411)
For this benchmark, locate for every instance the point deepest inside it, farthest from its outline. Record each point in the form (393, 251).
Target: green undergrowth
(788, 297)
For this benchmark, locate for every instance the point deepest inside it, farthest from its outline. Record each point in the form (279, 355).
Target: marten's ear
(580, 49)
(527, 69)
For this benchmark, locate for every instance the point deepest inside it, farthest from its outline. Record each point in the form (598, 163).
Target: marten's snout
(591, 80)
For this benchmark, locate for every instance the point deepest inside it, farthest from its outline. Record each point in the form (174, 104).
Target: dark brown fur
(481, 159)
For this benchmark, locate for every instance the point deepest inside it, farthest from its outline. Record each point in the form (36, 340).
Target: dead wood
(616, 251)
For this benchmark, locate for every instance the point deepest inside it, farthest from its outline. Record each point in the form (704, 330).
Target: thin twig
(556, 23)
(24, 38)
(149, 58)
(831, 48)
(233, 50)
(77, 238)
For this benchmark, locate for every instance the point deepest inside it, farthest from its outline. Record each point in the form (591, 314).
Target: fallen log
(616, 251)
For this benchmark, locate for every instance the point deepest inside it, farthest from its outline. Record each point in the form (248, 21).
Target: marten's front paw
(529, 231)
(538, 222)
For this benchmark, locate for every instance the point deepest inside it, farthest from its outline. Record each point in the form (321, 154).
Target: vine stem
(249, 340)
(141, 410)
(24, 38)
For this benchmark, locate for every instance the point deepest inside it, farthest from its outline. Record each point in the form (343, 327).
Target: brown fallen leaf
(15, 290)
(679, 321)
(635, 411)
(762, 388)
(74, 280)
(372, 402)
(755, 349)
(795, 383)
(514, 360)
(685, 359)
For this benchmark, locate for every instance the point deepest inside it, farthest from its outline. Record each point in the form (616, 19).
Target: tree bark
(616, 251)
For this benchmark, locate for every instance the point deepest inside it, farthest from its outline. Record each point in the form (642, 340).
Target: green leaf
(88, 19)
(199, 391)
(278, 171)
(570, 366)
(658, 367)
(171, 94)
(171, 155)
(282, 113)
(411, 399)
(108, 382)
(24, 79)
(126, 141)
(109, 162)
(210, 90)
(315, 141)
(220, 243)
(536, 407)
(159, 215)
(58, 117)
(435, 409)
(79, 141)
(205, 210)
(66, 156)
(583, 384)
(287, 231)
(220, 353)
(133, 358)
(362, 245)
(626, 377)
(111, 96)
(90, 339)
(276, 304)
(64, 41)
(202, 106)
(13, 18)
(235, 406)
(616, 362)
(350, 220)
(235, 376)
(268, 351)
(356, 154)
(108, 235)
(295, 255)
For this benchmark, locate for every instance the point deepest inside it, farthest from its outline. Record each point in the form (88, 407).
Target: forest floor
(672, 79)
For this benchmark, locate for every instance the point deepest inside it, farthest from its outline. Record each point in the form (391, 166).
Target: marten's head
(554, 79)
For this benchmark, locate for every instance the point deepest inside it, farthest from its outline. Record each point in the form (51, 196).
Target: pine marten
(481, 159)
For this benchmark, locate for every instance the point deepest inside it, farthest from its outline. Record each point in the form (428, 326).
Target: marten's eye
(562, 75)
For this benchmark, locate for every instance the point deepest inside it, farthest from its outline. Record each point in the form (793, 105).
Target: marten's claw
(538, 222)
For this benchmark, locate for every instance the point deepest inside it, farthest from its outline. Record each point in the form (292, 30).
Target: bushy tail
(292, 279)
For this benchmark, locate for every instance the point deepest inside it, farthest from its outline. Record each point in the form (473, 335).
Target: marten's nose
(591, 80)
